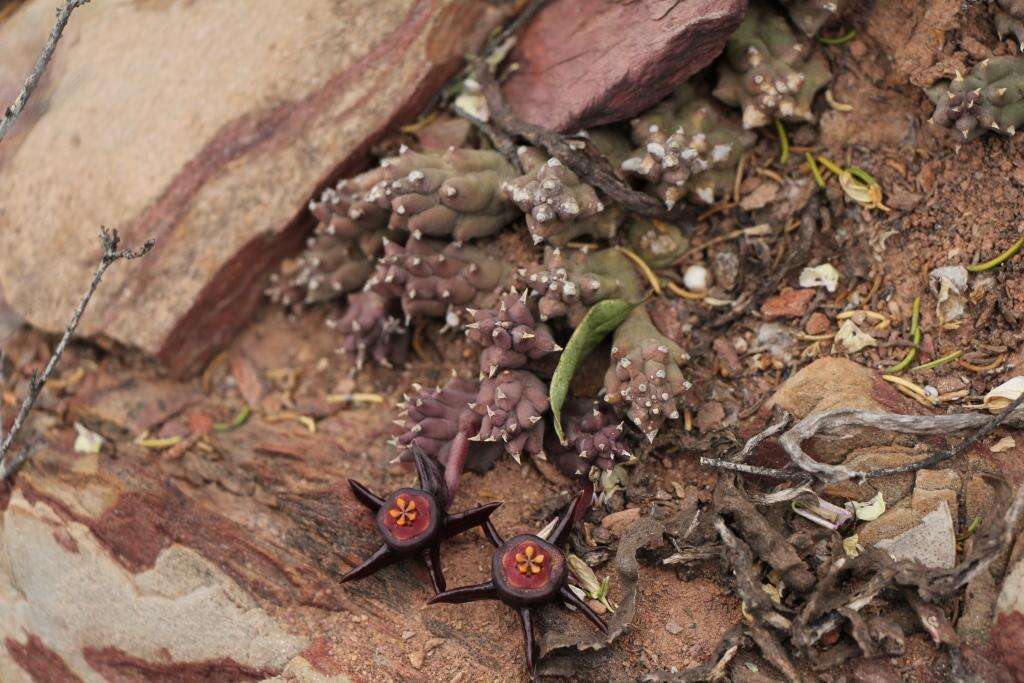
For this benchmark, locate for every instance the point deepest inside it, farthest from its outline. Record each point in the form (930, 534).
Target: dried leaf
(600, 321)
(87, 441)
(873, 509)
(851, 338)
(851, 546)
(824, 275)
(1004, 394)
(949, 284)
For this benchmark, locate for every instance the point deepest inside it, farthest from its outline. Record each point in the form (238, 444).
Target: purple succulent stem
(456, 462)
(583, 503)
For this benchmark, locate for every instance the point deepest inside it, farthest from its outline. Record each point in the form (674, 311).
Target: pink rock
(789, 303)
(208, 126)
(588, 62)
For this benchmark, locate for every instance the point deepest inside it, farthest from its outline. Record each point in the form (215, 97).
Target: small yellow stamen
(529, 561)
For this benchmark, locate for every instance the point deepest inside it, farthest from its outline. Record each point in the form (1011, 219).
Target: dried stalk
(837, 422)
(111, 253)
(591, 168)
(12, 112)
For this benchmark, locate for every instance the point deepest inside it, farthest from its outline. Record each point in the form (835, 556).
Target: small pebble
(673, 628)
(408, 635)
(818, 323)
(697, 278)
(417, 658)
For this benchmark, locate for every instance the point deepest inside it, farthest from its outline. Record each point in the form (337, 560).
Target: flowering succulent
(559, 207)
(988, 98)
(415, 521)
(528, 571)
(435, 278)
(768, 71)
(511, 406)
(509, 334)
(455, 195)
(644, 374)
(569, 282)
(688, 147)
(370, 328)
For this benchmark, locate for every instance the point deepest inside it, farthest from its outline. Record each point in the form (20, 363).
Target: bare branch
(12, 112)
(111, 253)
(592, 168)
(838, 421)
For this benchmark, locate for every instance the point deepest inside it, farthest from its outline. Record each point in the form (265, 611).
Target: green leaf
(600, 321)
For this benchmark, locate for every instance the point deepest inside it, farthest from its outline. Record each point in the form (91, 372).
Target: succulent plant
(510, 334)
(338, 258)
(1009, 18)
(455, 195)
(688, 147)
(990, 97)
(810, 15)
(433, 417)
(768, 71)
(594, 438)
(370, 329)
(511, 406)
(644, 375)
(559, 207)
(570, 281)
(658, 244)
(435, 278)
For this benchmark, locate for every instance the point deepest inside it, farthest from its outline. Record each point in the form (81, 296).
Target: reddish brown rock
(789, 303)
(589, 62)
(818, 323)
(207, 126)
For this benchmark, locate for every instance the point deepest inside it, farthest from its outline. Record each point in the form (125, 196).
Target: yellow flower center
(529, 561)
(404, 511)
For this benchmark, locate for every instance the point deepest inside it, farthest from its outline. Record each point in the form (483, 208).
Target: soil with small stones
(951, 204)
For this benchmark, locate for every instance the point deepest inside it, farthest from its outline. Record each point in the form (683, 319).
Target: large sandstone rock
(588, 62)
(207, 125)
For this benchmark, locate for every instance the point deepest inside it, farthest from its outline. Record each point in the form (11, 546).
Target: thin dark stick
(592, 169)
(772, 472)
(110, 241)
(12, 112)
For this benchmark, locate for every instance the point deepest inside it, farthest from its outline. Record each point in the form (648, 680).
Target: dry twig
(591, 168)
(12, 112)
(111, 253)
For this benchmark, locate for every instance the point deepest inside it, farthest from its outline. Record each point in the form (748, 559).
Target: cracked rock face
(627, 56)
(69, 608)
(218, 179)
(511, 406)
